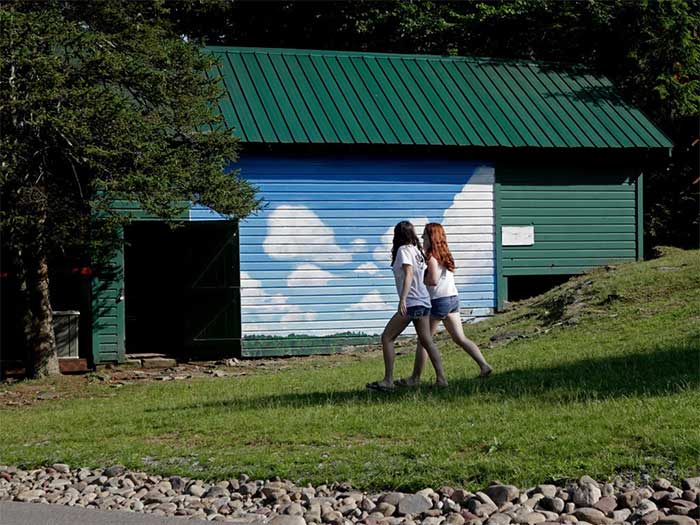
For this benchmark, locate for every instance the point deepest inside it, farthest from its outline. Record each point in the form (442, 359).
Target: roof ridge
(423, 56)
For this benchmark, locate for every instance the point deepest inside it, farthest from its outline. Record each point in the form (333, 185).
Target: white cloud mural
(368, 268)
(307, 274)
(317, 263)
(291, 242)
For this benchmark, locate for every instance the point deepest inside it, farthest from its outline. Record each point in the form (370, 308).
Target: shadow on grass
(660, 371)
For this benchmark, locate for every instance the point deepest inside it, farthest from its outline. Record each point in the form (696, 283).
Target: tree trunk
(38, 326)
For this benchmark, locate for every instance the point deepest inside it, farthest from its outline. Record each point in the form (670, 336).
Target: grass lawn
(602, 378)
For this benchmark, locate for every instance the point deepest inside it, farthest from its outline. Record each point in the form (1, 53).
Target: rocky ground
(278, 502)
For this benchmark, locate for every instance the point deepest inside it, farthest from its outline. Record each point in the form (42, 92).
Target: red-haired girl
(440, 281)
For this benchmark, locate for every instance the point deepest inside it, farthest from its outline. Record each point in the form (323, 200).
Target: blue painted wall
(316, 261)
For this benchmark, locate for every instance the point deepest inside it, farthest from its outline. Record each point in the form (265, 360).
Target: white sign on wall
(517, 235)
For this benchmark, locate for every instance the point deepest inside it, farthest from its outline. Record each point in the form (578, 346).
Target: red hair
(438, 246)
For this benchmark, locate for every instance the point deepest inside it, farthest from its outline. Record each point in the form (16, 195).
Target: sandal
(406, 383)
(378, 387)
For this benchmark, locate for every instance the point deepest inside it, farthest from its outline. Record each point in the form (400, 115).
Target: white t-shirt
(417, 293)
(445, 286)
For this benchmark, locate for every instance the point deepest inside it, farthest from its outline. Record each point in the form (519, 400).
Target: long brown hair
(438, 246)
(404, 233)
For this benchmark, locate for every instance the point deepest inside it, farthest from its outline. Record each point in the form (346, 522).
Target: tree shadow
(663, 370)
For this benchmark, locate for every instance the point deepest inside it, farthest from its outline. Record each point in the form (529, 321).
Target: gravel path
(278, 502)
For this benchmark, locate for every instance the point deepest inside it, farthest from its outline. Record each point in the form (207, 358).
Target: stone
(676, 520)
(460, 496)
(621, 515)
(608, 490)
(432, 521)
(498, 518)
(629, 499)
(606, 505)
(114, 471)
(650, 518)
(661, 484)
(548, 491)
(587, 495)
(500, 494)
(294, 509)
(158, 362)
(386, 508)
(645, 506)
(216, 491)
(526, 517)
(196, 490)
(61, 467)
(552, 504)
(591, 515)
(454, 518)
(392, 498)
(569, 507)
(691, 483)
(681, 506)
(287, 520)
(414, 504)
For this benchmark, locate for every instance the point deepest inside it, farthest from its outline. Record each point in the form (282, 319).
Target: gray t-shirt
(417, 293)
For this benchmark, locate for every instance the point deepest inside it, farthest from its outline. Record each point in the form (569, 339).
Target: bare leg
(453, 323)
(426, 340)
(394, 327)
(421, 356)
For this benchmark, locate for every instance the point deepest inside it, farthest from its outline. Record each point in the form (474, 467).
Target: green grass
(604, 378)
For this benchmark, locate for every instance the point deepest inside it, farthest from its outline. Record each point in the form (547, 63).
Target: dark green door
(212, 316)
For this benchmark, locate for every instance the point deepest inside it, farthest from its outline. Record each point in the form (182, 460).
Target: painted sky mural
(316, 260)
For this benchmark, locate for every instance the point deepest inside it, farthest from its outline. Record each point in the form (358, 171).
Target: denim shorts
(443, 306)
(416, 312)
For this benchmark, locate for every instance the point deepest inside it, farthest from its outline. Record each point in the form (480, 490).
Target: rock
(552, 504)
(681, 506)
(526, 517)
(114, 471)
(629, 499)
(548, 491)
(498, 518)
(414, 504)
(661, 484)
(608, 490)
(294, 509)
(215, 491)
(645, 507)
(387, 509)
(461, 496)
(587, 495)
(158, 362)
(606, 505)
(446, 491)
(432, 521)
(196, 490)
(650, 518)
(591, 515)
(499, 494)
(61, 467)
(621, 515)
(676, 520)
(287, 520)
(691, 483)
(454, 518)
(392, 498)
(569, 507)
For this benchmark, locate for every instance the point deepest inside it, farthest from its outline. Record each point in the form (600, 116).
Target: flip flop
(404, 383)
(378, 387)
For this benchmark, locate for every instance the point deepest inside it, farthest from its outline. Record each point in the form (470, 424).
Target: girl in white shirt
(444, 299)
(408, 264)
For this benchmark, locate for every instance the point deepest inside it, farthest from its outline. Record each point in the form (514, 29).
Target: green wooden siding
(582, 218)
(108, 313)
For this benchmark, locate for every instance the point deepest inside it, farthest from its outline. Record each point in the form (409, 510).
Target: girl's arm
(408, 279)
(432, 273)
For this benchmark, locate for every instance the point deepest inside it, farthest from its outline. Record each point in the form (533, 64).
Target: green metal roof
(303, 96)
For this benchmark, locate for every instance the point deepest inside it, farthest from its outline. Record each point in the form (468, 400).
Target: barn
(534, 169)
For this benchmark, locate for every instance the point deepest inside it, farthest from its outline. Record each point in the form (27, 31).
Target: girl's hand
(402, 308)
